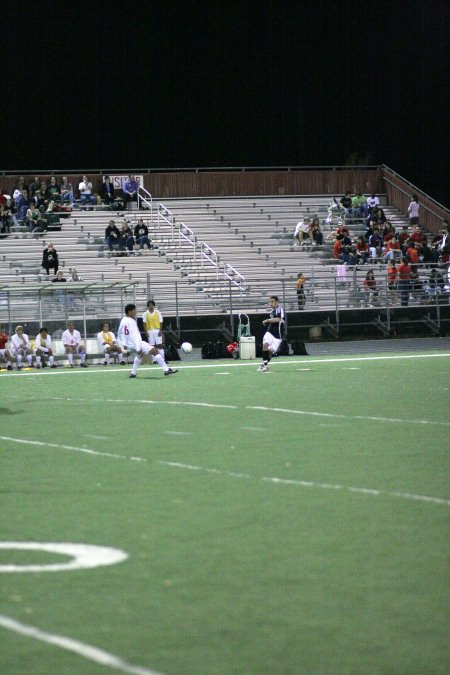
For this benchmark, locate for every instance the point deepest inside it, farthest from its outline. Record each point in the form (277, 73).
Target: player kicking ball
(129, 336)
(275, 330)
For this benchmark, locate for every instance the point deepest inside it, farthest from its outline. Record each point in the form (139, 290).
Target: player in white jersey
(44, 349)
(21, 347)
(108, 343)
(130, 337)
(71, 340)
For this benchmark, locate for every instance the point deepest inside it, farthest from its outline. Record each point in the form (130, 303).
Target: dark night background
(91, 85)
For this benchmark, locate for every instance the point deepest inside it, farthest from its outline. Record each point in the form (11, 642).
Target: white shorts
(153, 337)
(272, 341)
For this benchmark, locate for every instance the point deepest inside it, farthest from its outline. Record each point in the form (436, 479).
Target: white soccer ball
(186, 347)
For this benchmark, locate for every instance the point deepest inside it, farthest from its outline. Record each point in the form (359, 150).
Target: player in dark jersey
(275, 331)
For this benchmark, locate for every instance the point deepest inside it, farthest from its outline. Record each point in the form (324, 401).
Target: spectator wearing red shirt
(413, 254)
(417, 236)
(404, 277)
(337, 248)
(391, 273)
(5, 355)
(392, 249)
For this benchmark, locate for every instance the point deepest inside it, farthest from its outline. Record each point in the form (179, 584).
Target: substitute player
(5, 354)
(275, 331)
(21, 347)
(44, 349)
(71, 340)
(153, 324)
(107, 342)
(130, 337)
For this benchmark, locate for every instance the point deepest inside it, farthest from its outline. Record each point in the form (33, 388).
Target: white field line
(233, 474)
(87, 451)
(247, 364)
(306, 483)
(199, 404)
(86, 651)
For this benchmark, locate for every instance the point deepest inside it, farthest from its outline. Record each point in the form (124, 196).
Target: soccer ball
(186, 347)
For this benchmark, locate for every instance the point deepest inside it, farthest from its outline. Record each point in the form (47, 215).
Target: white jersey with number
(71, 339)
(129, 335)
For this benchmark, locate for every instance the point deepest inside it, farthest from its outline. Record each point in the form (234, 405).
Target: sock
(136, 363)
(82, 357)
(160, 361)
(51, 359)
(107, 358)
(161, 351)
(70, 358)
(266, 357)
(29, 359)
(19, 360)
(38, 360)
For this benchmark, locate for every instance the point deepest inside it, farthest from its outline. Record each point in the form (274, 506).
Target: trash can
(247, 349)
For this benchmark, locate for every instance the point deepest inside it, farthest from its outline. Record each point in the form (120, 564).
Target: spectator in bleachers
(86, 193)
(337, 246)
(5, 223)
(413, 211)
(427, 254)
(126, 240)
(412, 253)
(21, 347)
(130, 190)
(112, 236)
(348, 255)
(109, 345)
(370, 288)
(107, 193)
(53, 190)
(302, 231)
(141, 235)
(392, 249)
(73, 275)
(359, 205)
(5, 354)
(404, 278)
(34, 185)
(415, 283)
(417, 236)
(435, 284)
(372, 202)
(362, 250)
(346, 203)
(32, 216)
(73, 345)
(300, 290)
(316, 232)
(50, 259)
(391, 274)
(403, 238)
(375, 243)
(21, 204)
(44, 349)
(66, 191)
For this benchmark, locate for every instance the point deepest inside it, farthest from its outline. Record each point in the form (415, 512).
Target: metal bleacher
(251, 238)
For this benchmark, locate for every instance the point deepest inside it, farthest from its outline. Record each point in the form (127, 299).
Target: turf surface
(296, 522)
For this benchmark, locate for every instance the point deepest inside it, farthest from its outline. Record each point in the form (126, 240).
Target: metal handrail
(208, 253)
(147, 199)
(50, 172)
(415, 188)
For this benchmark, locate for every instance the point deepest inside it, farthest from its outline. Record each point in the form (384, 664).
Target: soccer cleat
(38, 365)
(123, 363)
(263, 368)
(132, 375)
(83, 365)
(53, 365)
(9, 367)
(171, 371)
(104, 363)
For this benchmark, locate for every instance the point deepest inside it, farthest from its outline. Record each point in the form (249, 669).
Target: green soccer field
(290, 522)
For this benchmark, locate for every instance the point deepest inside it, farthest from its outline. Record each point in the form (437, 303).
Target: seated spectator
(375, 244)
(372, 202)
(302, 231)
(130, 190)
(417, 236)
(435, 284)
(348, 255)
(66, 191)
(427, 254)
(370, 288)
(413, 211)
(44, 349)
(337, 248)
(50, 259)
(86, 194)
(22, 203)
(359, 205)
(404, 278)
(412, 254)
(54, 191)
(415, 284)
(5, 354)
(141, 235)
(5, 221)
(107, 192)
(391, 273)
(109, 345)
(112, 236)
(34, 185)
(403, 238)
(126, 240)
(346, 203)
(73, 345)
(362, 250)
(21, 347)
(316, 232)
(392, 250)
(300, 290)
(32, 216)
(73, 275)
